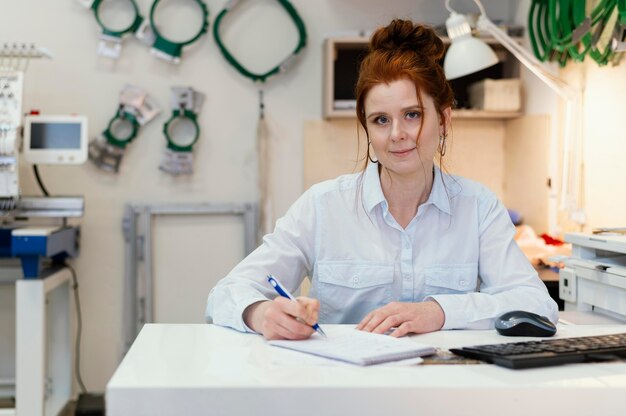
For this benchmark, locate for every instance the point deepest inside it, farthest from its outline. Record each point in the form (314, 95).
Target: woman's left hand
(405, 317)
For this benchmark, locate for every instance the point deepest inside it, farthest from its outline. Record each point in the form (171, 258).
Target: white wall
(77, 81)
(604, 145)
(604, 134)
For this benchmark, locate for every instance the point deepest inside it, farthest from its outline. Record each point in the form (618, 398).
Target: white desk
(208, 370)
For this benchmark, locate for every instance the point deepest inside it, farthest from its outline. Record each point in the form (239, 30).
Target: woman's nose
(398, 132)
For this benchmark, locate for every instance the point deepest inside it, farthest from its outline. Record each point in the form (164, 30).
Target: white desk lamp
(468, 54)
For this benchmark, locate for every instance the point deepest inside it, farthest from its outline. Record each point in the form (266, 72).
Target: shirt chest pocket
(355, 275)
(450, 278)
(345, 287)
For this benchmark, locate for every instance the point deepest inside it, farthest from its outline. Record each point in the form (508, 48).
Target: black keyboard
(549, 352)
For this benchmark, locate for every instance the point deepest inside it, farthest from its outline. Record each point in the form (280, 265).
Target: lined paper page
(358, 347)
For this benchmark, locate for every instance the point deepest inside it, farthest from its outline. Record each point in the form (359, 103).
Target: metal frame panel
(137, 225)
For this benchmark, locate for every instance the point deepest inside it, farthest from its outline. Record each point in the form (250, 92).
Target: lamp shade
(466, 53)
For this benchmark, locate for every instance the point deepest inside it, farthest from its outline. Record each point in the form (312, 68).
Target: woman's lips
(402, 152)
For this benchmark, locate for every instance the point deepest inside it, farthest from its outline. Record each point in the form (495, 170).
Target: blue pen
(285, 293)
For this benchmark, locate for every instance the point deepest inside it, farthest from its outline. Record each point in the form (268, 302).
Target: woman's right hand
(282, 318)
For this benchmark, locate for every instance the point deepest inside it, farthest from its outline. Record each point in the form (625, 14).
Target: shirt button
(462, 282)
(355, 280)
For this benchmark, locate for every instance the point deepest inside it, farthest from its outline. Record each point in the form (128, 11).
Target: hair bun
(404, 35)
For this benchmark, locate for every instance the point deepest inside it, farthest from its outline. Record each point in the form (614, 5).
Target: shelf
(484, 114)
(456, 114)
(364, 40)
(487, 39)
(342, 57)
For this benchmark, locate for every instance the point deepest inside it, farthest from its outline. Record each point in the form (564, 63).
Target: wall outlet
(567, 285)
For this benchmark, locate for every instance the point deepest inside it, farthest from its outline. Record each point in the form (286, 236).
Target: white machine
(35, 229)
(10, 120)
(594, 278)
(47, 140)
(55, 139)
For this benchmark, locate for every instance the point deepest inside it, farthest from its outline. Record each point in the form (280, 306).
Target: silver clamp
(110, 43)
(107, 157)
(185, 103)
(163, 48)
(177, 163)
(109, 46)
(187, 98)
(136, 108)
(138, 102)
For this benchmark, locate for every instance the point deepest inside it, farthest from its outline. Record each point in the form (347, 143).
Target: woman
(401, 246)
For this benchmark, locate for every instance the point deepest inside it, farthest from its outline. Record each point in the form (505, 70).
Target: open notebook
(358, 347)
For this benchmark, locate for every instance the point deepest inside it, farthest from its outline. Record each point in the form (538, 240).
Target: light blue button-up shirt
(458, 250)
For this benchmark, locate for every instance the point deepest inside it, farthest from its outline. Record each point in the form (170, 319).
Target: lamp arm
(477, 2)
(571, 177)
(571, 173)
(450, 9)
(525, 57)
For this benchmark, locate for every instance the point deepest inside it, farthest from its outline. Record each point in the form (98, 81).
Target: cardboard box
(496, 94)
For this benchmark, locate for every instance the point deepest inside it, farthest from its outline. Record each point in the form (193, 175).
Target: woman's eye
(413, 115)
(381, 120)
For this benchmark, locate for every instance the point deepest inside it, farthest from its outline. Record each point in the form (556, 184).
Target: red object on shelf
(551, 241)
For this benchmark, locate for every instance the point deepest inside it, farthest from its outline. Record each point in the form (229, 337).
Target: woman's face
(394, 116)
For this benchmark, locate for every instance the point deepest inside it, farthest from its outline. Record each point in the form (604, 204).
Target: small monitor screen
(55, 139)
(55, 136)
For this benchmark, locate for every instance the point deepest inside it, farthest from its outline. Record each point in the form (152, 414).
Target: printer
(594, 277)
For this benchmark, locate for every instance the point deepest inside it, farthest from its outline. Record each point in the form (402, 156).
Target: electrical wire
(41, 185)
(562, 29)
(79, 328)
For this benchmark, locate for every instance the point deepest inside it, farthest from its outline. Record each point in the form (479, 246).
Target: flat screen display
(55, 139)
(55, 136)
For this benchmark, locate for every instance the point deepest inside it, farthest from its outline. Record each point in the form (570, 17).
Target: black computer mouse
(524, 324)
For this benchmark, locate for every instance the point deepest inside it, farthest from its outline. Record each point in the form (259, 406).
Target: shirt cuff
(246, 328)
(226, 305)
(239, 310)
(454, 310)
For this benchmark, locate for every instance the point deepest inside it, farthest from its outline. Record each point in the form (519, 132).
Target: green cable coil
(561, 30)
(282, 66)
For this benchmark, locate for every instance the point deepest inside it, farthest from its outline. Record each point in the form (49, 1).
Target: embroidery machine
(34, 228)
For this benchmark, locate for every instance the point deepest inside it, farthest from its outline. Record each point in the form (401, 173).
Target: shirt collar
(444, 188)
(372, 191)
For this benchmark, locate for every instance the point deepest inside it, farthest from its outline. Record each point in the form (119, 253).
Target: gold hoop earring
(442, 143)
